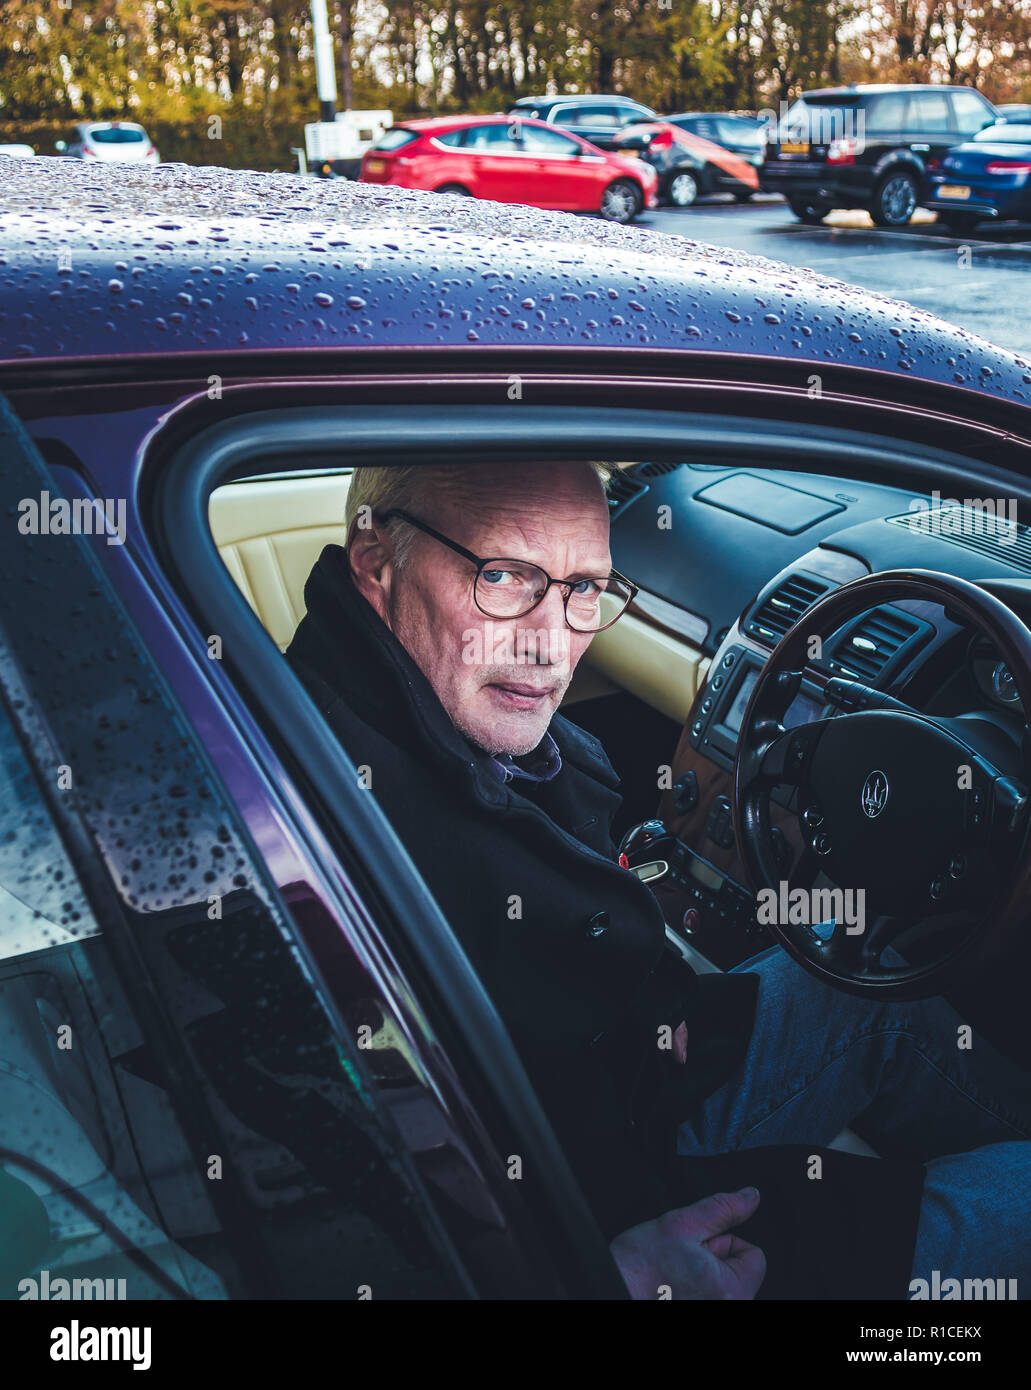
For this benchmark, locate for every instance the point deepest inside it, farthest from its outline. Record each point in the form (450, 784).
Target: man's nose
(542, 636)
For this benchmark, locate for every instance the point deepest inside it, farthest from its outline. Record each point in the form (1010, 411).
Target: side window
(549, 144)
(706, 129)
(493, 139)
(596, 115)
(886, 114)
(929, 113)
(971, 113)
(614, 116)
(453, 138)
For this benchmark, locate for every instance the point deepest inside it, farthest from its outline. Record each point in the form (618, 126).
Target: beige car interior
(270, 532)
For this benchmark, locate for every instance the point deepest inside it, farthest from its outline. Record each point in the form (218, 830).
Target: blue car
(985, 179)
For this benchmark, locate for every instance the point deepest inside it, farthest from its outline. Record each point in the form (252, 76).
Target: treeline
(175, 64)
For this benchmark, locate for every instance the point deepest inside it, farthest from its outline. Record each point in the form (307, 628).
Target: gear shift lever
(641, 836)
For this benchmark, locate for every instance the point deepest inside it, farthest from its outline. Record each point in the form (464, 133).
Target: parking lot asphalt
(980, 282)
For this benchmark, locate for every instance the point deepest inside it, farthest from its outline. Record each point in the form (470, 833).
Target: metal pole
(325, 72)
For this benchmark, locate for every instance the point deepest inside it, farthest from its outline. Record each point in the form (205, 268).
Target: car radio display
(736, 712)
(801, 710)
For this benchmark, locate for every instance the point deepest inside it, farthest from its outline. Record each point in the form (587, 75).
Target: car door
(559, 171)
(497, 165)
(929, 125)
(183, 1111)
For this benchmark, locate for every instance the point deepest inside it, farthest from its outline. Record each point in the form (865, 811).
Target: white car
(17, 151)
(122, 142)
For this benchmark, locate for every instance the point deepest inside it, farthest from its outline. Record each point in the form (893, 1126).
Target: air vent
(623, 489)
(657, 470)
(975, 529)
(772, 617)
(867, 648)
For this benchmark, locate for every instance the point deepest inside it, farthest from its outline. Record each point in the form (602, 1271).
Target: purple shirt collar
(541, 764)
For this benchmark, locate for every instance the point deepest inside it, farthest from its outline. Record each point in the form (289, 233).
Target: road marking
(909, 238)
(937, 289)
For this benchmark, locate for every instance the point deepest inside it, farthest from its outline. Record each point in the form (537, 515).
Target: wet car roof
(123, 260)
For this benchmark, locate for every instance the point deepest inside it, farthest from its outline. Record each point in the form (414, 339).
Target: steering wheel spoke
(784, 760)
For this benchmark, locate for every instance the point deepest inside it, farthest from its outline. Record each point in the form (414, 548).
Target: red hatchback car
(511, 160)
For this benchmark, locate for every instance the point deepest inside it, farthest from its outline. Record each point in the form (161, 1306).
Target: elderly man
(439, 646)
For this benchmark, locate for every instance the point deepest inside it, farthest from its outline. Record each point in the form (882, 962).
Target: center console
(703, 892)
(708, 909)
(702, 905)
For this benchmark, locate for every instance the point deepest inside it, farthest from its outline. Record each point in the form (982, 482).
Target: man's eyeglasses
(507, 588)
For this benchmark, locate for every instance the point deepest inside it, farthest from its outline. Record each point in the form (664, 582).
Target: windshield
(117, 135)
(394, 139)
(741, 130)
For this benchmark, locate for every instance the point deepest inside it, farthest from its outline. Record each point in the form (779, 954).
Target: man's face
(500, 679)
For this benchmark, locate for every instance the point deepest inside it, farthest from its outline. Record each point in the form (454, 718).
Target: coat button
(598, 925)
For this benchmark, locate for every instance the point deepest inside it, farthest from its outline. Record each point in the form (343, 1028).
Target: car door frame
(183, 477)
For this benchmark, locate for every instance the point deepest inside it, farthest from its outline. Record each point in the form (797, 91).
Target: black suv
(867, 147)
(598, 119)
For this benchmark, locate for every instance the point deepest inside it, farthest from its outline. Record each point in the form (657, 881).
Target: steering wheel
(890, 801)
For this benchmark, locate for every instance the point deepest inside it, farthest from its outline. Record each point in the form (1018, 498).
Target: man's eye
(587, 588)
(496, 577)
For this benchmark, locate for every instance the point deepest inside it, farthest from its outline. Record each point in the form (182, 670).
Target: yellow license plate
(375, 166)
(793, 147)
(953, 190)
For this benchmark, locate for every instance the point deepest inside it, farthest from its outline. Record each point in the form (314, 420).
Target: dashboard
(763, 546)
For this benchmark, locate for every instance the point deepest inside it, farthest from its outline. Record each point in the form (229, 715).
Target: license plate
(793, 147)
(375, 166)
(953, 190)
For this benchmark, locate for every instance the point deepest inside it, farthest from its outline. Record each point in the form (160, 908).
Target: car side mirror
(60, 146)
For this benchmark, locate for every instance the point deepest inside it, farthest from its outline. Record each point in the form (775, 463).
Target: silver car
(122, 142)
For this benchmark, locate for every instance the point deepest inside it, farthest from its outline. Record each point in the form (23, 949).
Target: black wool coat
(572, 950)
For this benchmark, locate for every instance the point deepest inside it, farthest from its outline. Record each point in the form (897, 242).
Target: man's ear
(370, 553)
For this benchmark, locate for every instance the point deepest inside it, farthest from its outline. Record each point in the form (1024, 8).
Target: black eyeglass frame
(482, 564)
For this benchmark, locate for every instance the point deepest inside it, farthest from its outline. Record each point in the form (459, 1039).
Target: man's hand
(690, 1251)
(680, 1044)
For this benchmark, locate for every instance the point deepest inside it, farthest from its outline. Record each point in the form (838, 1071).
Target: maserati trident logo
(874, 797)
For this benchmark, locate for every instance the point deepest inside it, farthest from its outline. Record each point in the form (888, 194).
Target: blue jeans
(821, 1059)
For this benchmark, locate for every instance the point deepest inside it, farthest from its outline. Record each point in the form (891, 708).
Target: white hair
(411, 489)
